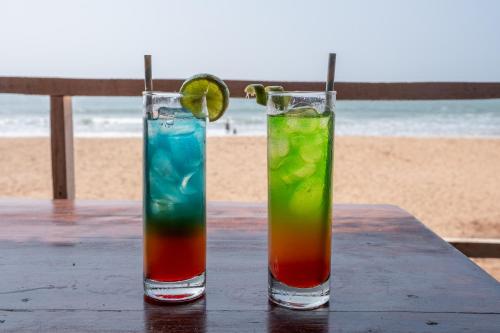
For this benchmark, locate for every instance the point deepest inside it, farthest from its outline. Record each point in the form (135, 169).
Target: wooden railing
(477, 247)
(346, 90)
(61, 90)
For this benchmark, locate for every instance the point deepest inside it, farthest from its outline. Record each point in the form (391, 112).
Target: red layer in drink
(170, 258)
(299, 259)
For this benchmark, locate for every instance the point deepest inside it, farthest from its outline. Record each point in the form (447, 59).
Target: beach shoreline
(450, 184)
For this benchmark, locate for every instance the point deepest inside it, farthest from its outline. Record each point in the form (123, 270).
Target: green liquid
(300, 197)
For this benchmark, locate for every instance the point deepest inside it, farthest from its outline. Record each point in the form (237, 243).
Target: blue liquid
(174, 173)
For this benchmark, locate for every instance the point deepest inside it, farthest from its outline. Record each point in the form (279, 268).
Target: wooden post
(61, 137)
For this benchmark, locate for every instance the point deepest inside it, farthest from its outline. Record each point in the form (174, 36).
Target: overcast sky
(386, 40)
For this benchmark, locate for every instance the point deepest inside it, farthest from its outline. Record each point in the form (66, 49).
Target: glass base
(175, 292)
(298, 298)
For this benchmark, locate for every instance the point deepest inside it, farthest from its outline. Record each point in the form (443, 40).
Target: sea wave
(28, 116)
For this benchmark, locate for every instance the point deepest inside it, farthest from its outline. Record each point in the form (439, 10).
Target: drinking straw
(331, 71)
(148, 79)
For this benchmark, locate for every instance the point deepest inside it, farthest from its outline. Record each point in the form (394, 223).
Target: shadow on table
(189, 317)
(285, 320)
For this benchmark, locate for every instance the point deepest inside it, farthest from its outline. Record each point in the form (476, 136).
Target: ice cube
(307, 198)
(303, 111)
(298, 140)
(162, 168)
(323, 122)
(287, 168)
(185, 125)
(311, 153)
(305, 170)
(167, 115)
(293, 169)
(310, 147)
(187, 151)
(160, 189)
(302, 125)
(278, 149)
(314, 150)
(161, 207)
(192, 183)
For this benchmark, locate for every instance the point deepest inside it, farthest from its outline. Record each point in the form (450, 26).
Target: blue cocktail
(174, 199)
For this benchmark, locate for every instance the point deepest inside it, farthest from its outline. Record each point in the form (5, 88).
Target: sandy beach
(451, 185)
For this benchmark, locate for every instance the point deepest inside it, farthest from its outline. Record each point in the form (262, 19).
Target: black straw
(148, 79)
(331, 71)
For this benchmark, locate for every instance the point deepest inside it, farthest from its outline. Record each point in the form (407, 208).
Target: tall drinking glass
(300, 156)
(174, 198)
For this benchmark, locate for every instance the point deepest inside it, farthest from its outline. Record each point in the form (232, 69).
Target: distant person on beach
(235, 131)
(228, 126)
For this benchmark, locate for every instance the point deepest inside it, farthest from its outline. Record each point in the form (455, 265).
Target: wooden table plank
(64, 264)
(274, 320)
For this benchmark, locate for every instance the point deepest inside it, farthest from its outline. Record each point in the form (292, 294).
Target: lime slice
(280, 102)
(260, 92)
(303, 111)
(215, 90)
(274, 88)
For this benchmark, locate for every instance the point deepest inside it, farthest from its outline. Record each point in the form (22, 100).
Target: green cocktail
(300, 198)
(300, 160)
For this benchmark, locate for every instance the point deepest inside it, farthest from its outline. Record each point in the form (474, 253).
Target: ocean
(28, 116)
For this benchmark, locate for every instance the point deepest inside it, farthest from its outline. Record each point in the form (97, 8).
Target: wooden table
(77, 267)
